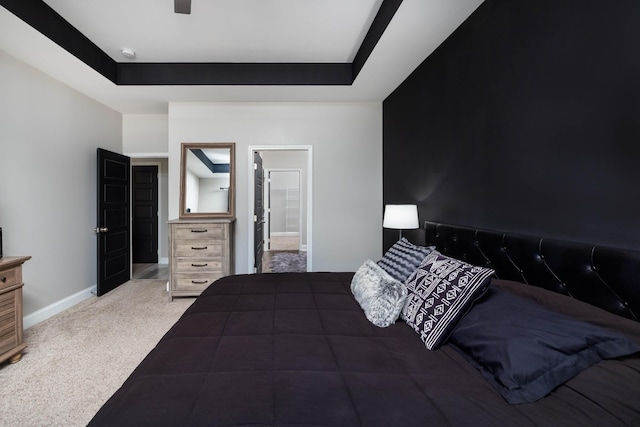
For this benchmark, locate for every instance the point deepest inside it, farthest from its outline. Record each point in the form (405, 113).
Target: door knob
(99, 230)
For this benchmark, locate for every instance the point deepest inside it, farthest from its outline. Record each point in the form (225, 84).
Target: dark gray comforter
(295, 349)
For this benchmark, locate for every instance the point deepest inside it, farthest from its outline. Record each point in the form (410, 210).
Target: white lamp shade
(402, 217)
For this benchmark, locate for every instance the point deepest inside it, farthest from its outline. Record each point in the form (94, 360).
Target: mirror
(207, 179)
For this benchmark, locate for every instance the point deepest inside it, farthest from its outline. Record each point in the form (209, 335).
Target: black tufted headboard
(608, 278)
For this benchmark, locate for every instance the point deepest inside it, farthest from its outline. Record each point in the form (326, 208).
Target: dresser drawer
(194, 281)
(195, 265)
(201, 231)
(197, 249)
(9, 277)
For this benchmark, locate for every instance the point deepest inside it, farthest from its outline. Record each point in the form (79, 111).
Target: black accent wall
(526, 119)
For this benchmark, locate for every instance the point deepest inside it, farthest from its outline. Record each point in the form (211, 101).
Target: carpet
(288, 262)
(78, 358)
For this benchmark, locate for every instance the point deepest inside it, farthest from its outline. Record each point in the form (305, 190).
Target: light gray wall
(48, 139)
(347, 175)
(145, 134)
(163, 216)
(211, 197)
(192, 192)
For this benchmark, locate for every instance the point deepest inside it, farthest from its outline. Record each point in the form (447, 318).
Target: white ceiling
(237, 31)
(224, 30)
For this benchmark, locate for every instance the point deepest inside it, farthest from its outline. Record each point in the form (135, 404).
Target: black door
(113, 220)
(258, 211)
(145, 214)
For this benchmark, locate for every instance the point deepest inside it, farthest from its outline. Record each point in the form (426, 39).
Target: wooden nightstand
(11, 345)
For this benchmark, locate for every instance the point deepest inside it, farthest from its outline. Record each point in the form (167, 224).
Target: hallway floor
(150, 271)
(284, 256)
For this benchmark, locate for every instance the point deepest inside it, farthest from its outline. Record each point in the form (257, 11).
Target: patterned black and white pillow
(441, 291)
(403, 258)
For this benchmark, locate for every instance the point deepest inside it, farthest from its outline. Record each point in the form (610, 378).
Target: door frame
(309, 199)
(268, 216)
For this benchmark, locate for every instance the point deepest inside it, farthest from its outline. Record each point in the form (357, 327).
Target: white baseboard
(303, 248)
(58, 307)
(285, 233)
(164, 261)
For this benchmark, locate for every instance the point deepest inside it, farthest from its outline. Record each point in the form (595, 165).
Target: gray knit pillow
(380, 295)
(403, 258)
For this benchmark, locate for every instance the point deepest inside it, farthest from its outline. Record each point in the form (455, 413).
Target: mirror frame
(186, 146)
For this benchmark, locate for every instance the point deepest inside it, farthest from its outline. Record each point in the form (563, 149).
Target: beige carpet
(77, 359)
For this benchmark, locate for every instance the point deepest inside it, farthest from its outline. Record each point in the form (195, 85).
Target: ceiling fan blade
(182, 6)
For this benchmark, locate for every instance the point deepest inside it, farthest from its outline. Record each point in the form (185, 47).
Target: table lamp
(401, 217)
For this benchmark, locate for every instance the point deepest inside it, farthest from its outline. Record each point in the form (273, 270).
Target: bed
(298, 349)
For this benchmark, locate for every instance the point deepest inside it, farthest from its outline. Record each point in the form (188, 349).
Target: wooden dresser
(201, 251)
(11, 345)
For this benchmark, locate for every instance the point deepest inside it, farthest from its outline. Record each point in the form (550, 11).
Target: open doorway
(149, 216)
(283, 242)
(283, 222)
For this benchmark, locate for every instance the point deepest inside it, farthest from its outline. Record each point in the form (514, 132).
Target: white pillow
(380, 295)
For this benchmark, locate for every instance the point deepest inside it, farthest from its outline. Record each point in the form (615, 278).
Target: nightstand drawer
(204, 231)
(8, 340)
(9, 277)
(195, 265)
(8, 332)
(7, 304)
(11, 344)
(194, 282)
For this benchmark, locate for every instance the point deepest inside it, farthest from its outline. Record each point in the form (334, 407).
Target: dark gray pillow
(441, 291)
(380, 295)
(525, 350)
(403, 258)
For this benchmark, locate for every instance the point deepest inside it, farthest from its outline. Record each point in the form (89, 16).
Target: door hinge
(255, 166)
(255, 218)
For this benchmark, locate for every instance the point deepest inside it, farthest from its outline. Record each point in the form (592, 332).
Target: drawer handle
(3, 279)
(198, 248)
(199, 231)
(199, 282)
(199, 265)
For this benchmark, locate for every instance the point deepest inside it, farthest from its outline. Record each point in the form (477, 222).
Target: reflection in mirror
(207, 180)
